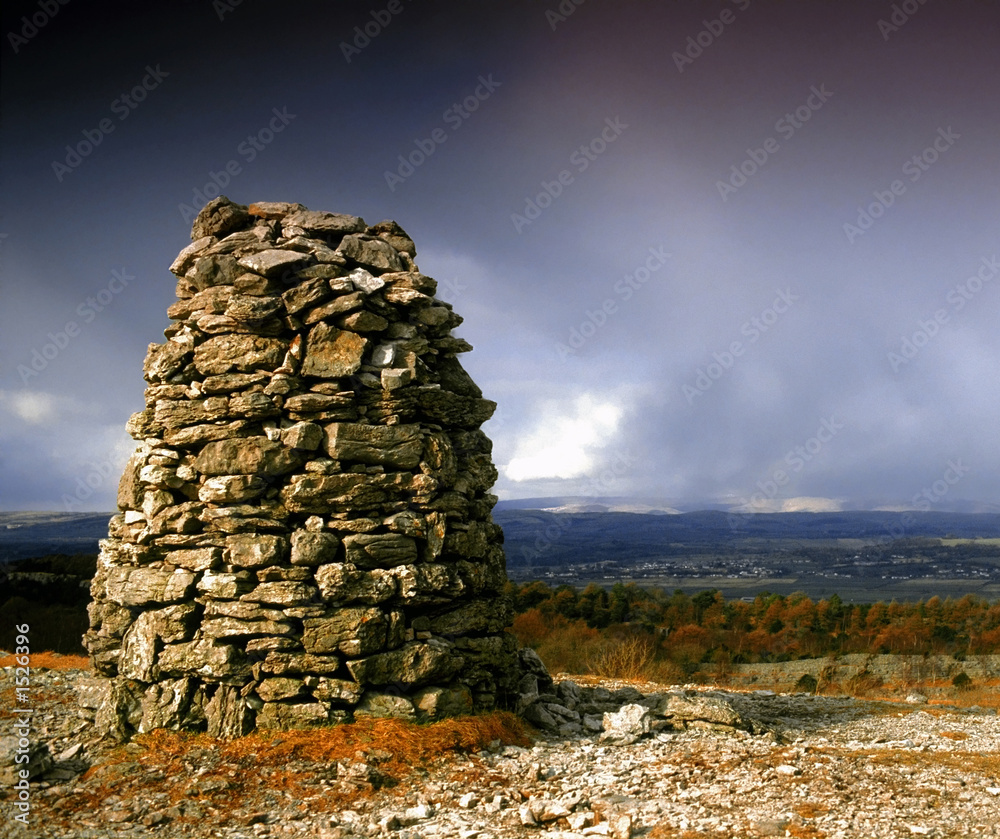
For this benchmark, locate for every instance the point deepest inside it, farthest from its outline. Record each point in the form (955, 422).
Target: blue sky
(730, 253)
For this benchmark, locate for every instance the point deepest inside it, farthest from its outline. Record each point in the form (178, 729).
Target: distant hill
(540, 536)
(24, 535)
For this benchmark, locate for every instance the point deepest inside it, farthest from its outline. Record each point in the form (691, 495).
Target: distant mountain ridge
(26, 535)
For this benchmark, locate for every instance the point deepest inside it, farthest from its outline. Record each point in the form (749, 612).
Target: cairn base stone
(304, 529)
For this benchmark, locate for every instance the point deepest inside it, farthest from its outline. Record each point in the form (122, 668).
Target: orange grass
(47, 661)
(394, 744)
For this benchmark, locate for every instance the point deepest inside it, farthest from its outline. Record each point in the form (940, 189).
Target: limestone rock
(219, 217)
(332, 353)
(257, 456)
(397, 446)
(626, 725)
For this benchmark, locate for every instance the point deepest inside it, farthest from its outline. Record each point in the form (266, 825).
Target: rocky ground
(658, 761)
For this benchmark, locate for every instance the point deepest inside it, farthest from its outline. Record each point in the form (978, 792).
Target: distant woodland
(572, 629)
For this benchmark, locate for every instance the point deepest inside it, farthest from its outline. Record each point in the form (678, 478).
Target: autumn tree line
(580, 630)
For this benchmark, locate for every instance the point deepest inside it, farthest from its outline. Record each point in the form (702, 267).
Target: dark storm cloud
(704, 251)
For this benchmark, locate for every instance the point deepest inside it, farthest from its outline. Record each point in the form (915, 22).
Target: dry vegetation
(228, 774)
(47, 661)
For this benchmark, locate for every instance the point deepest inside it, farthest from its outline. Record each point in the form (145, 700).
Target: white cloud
(565, 442)
(33, 407)
(37, 407)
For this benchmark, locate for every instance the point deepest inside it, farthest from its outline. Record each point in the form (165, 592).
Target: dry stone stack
(305, 528)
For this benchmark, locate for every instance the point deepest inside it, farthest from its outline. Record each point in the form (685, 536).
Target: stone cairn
(305, 529)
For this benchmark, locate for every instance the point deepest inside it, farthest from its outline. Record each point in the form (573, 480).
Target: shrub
(962, 681)
(630, 658)
(807, 683)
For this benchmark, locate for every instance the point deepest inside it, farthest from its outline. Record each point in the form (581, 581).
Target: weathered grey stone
(627, 725)
(280, 687)
(692, 710)
(326, 224)
(187, 255)
(337, 690)
(139, 586)
(311, 549)
(205, 657)
(219, 217)
(148, 634)
(197, 435)
(284, 716)
(306, 295)
(226, 489)
(437, 702)
(246, 456)
(351, 631)
(342, 583)
(281, 663)
(165, 360)
(477, 617)
(363, 321)
(373, 253)
(223, 584)
(332, 353)
(379, 550)
(253, 406)
(394, 235)
(413, 665)
(303, 435)
(283, 593)
(397, 446)
(227, 714)
(255, 550)
(130, 487)
(274, 263)
(242, 353)
(385, 705)
(225, 627)
(165, 704)
(208, 271)
(342, 305)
